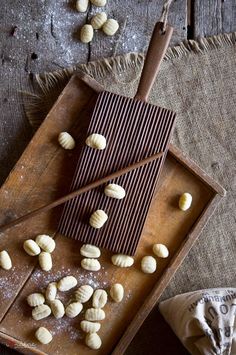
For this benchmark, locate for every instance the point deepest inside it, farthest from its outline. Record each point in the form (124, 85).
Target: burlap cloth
(197, 80)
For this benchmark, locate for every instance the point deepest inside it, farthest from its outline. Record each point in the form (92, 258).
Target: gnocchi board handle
(156, 51)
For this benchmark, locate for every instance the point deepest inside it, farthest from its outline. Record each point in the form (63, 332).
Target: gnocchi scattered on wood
(148, 264)
(45, 261)
(98, 20)
(5, 260)
(99, 298)
(35, 299)
(99, 3)
(96, 141)
(84, 293)
(51, 291)
(90, 327)
(110, 27)
(93, 341)
(46, 243)
(185, 201)
(58, 309)
(160, 250)
(31, 247)
(73, 309)
(98, 219)
(40, 312)
(66, 140)
(117, 292)
(82, 5)
(43, 335)
(94, 314)
(114, 191)
(66, 283)
(90, 251)
(90, 264)
(86, 34)
(122, 260)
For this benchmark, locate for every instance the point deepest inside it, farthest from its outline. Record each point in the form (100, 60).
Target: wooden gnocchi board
(42, 174)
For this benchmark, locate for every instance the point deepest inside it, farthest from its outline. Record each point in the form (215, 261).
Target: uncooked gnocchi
(148, 264)
(96, 141)
(86, 33)
(35, 299)
(122, 260)
(94, 314)
(66, 283)
(99, 298)
(40, 312)
(90, 327)
(31, 247)
(90, 251)
(90, 264)
(73, 309)
(84, 293)
(93, 341)
(58, 309)
(51, 291)
(98, 219)
(185, 201)
(43, 335)
(66, 140)
(45, 261)
(5, 260)
(98, 20)
(160, 250)
(46, 243)
(82, 5)
(99, 3)
(117, 292)
(114, 191)
(110, 27)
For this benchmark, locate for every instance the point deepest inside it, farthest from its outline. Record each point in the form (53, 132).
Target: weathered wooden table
(42, 35)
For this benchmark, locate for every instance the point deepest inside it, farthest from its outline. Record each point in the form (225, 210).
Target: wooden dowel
(80, 191)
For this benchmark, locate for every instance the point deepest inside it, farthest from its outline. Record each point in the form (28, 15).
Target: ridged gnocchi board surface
(41, 175)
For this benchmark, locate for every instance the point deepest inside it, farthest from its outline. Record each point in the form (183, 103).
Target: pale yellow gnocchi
(31, 247)
(41, 311)
(98, 20)
(46, 243)
(114, 191)
(160, 250)
(99, 3)
(110, 27)
(43, 335)
(67, 283)
(122, 260)
(35, 299)
(66, 140)
(84, 293)
(96, 141)
(94, 314)
(90, 327)
(99, 298)
(98, 219)
(90, 251)
(51, 291)
(86, 33)
(58, 309)
(82, 5)
(117, 292)
(45, 261)
(148, 264)
(5, 260)
(73, 309)
(93, 341)
(185, 201)
(90, 264)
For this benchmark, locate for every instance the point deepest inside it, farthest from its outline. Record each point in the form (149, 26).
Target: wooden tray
(42, 174)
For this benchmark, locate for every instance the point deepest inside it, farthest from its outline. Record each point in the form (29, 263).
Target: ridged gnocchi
(160, 250)
(84, 293)
(122, 260)
(35, 299)
(86, 33)
(5, 260)
(81, 5)
(43, 335)
(117, 292)
(94, 314)
(93, 341)
(58, 309)
(51, 291)
(45, 261)
(99, 3)
(148, 264)
(98, 219)
(99, 298)
(114, 191)
(110, 27)
(66, 140)
(98, 20)
(96, 141)
(66, 283)
(31, 247)
(90, 264)
(90, 251)
(46, 243)
(73, 309)
(185, 201)
(90, 327)
(40, 312)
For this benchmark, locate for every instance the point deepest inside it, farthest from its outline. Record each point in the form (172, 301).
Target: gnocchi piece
(58, 309)
(35, 299)
(110, 27)
(148, 264)
(160, 250)
(94, 314)
(99, 3)
(93, 341)
(5, 260)
(117, 292)
(43, 335)
(41, 311)
(86, 33)
(114, 191)
(98, 20)
(73, 309)
(66, 140)
(90, 264)
(31, 247)
(46, 243)
(99, 298)
(66, 283)
(45, 261)
(51, 291)
(82, 5)
(84, 293)
(90, 251)
(96, 141)
(122, 260)
(98, 219)
(90, 327)
(185, 201)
